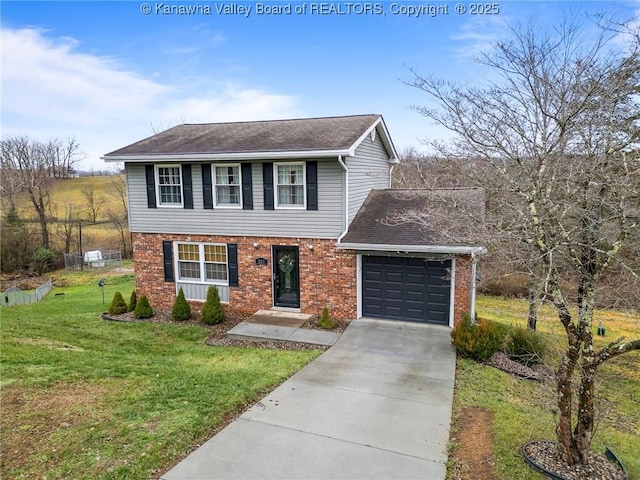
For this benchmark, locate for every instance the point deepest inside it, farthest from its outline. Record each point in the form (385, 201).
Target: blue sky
(107, 74)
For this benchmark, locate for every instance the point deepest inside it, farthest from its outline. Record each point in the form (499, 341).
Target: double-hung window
(227, 183)
(202, 263)
(169, 180)
(290, 185)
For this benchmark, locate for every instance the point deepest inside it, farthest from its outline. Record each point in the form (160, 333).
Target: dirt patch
(472, 455)
(32, 417)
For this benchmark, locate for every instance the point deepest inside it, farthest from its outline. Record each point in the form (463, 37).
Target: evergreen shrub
(212, 311)
(480, 340)
(143, 309)
(118, 306)
(325, 321)
(181, 310)
(133, 301)
(525, 346)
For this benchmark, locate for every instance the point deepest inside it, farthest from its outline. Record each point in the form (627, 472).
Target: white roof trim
(386, 140)
(226, 156)
(456, 249)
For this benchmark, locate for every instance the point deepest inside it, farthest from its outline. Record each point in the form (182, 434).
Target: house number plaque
(261, 261)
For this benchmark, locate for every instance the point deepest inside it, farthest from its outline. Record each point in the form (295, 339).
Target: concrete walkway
(376, 405)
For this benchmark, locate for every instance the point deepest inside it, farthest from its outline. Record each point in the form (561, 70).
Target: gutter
(455, 249)
(293, 154)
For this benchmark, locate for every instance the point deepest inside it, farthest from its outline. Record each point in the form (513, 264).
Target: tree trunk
(38, 204)
(535, 295)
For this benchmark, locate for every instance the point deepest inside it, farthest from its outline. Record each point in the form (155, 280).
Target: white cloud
(51, 88)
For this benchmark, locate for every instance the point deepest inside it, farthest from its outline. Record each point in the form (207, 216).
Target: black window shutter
(267, 179)
(232, 259)
(151, 185)
(187, 186)
(247, 186)
(167, 254)
(207, 186)
(312, 185)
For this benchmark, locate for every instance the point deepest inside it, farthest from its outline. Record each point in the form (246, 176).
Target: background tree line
(41, 217)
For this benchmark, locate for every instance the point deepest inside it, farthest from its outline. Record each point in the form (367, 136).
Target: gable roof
(307, 137)
(419, 220)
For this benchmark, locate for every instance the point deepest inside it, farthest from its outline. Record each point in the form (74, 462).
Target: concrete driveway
(376, 405)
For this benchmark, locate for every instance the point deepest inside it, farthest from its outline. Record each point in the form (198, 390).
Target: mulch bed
(218, 336)
(545, 455)
(501, 361)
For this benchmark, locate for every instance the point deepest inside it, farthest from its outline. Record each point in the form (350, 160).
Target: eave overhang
(440, 249)
(194, 157)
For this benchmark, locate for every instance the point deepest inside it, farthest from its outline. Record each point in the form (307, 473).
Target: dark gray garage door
(403, 288)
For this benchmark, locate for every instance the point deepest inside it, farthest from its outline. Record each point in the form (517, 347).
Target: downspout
(346, 198)
(472, 309)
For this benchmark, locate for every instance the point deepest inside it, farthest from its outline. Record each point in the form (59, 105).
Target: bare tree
(558, 124)
(28, 166)
(64, 155)
(117, 213)
(95, 202)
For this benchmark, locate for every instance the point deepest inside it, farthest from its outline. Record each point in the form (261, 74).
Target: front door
(286, 277)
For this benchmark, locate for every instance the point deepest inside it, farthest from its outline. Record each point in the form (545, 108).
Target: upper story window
(202, 262)
(227, 184)
(169, 181)
(290, 185)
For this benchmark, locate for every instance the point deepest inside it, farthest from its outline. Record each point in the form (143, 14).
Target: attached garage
(417, 251)
(406, 288)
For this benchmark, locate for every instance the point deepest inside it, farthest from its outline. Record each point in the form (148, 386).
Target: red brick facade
(327, 275)
(462, 293)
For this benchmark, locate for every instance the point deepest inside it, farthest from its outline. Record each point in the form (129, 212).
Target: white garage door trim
(359, 294)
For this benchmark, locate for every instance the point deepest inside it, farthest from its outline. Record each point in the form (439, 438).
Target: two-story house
(287, 214)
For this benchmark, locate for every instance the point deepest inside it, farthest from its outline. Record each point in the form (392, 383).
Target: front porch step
(278, 326)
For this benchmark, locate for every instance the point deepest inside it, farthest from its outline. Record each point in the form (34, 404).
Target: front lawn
(522, 410)
(87, 398)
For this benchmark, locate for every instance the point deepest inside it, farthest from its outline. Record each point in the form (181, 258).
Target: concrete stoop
(280, 326)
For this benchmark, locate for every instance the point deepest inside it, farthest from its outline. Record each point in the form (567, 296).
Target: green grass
(87, 398)
(524, 410)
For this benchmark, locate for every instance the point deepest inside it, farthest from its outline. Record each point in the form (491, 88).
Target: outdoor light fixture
(311, 246)
(255, 245)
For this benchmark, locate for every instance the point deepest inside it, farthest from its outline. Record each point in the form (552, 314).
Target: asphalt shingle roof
(417, 217)
(308, 134)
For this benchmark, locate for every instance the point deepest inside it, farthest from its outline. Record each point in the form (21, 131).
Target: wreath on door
(286, 264)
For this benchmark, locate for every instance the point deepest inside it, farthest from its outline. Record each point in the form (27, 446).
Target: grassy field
(69, 193)
(91, 399)
(523, 410)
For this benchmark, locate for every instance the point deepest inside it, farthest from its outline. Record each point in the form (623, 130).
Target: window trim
(202, 263)
(215, 186)
(160, 204)
(276, 186)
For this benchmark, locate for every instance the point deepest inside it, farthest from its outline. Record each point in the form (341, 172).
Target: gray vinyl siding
(367, 170)
(198, 291)
(326, 222)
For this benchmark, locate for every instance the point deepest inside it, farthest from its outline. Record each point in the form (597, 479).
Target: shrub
(117, 306)
(143, 309)
(43, 260)
(325, 321)
(133, 301)
(525, 346)
(212, 311)
(181, 310)
(479, 340)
